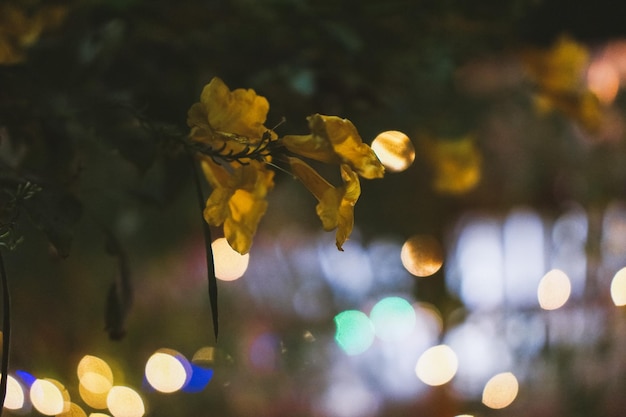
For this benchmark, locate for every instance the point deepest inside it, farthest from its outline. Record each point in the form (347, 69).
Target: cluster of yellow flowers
(559, 75)
(237, 151)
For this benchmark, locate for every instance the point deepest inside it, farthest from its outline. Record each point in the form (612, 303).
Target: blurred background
(484, 276)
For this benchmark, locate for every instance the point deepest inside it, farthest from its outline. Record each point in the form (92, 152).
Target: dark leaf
(55, 213)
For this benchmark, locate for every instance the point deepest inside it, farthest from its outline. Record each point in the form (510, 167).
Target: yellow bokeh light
(500, 391)
(95, 379)
(49, 397)
(98, 415)
(125, 402)
(394, 149)
(93, 389)
(554, 290)
(437, 365)
(14, 399)
(618, 288)
(166, 372)
(204, 355)
(229, 264)
(74, 411)
(422, 255)
(94, 365)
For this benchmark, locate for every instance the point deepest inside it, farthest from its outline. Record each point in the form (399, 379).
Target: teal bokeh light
(355, 331)
(393, 319)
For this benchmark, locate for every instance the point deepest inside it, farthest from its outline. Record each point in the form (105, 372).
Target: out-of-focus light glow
(394, 149)
(263, 352)
(26, 377)
(422, 255)
(500, 391)
(393, 319)
(95, 379)
(167, 371)
(95, 365)
(603, 80)
(229, 264)
(200, 378)
(355, 331)
(554, 290)
(523, 237)
(618, 288)
(205, 355)
(74, 410)
(437, 365)
(49, 397)
(476, 271)
(125, 402)
(98, 415)
(464, 415)
(14, 399)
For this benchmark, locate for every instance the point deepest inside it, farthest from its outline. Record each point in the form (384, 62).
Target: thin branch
(6, 333)
(212, 280)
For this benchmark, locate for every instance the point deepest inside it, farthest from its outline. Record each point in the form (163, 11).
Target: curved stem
(6, 332)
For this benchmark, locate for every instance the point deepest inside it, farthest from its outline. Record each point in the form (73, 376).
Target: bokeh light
(554, 290)
(263, 352)
(437, 365)
(355, 331)
(125, 402)
(98, 415)
(167, 371)
(74, 410)
(500, 391)
(603, 80)
(422, 255)
(49, 397)
(205, 355)
(393, 319)
(394, 149)
(229, 264)
(14, 399)
(618, 288)
(95, 379)
(200, 378)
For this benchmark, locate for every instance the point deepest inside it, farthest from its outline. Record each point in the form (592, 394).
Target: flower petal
(238, 200)
(336, 204)
(336, 140)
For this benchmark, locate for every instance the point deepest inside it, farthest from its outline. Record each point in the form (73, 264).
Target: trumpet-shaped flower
(335, 140)
(238, 200)
(336, 204)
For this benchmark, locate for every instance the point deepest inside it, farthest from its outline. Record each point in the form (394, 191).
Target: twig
(6, 333)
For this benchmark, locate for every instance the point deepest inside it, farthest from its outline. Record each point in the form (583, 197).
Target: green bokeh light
(355, 331)
(393, 318)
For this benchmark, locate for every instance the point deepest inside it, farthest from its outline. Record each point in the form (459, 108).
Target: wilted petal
(335, 140)
(336, 204)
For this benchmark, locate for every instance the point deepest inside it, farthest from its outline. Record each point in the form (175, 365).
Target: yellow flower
(228, 130)
(228, 120)
(456, 163)
(559, 74)
(19, 29)
(231, 122)
(336, 204)
(238, 200)
(335, 140)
